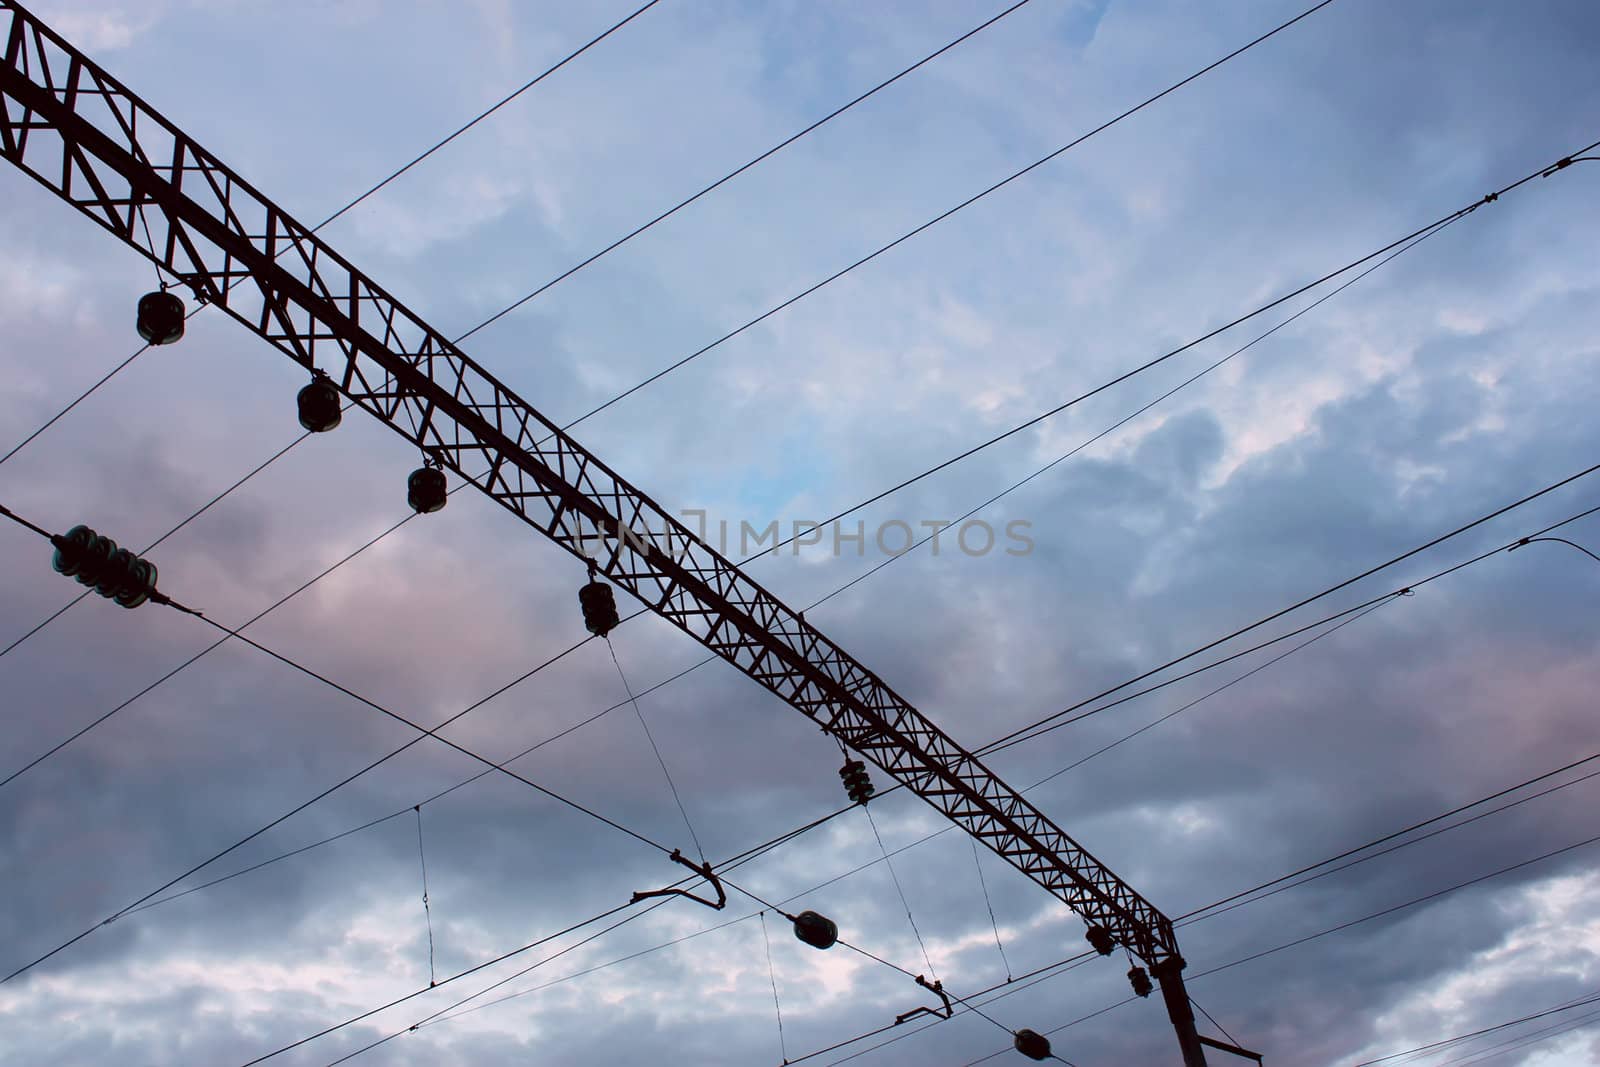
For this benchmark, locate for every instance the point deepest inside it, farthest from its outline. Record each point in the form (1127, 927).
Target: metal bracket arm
(703, 870)
(936, 987)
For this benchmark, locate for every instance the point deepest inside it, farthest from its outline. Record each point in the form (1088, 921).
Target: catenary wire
(1313, 598)
(1297, 942)
(353, 203)
(1483, 1055)
(1347, 620)
(794, 299)
(1454, 216)
(1377, 255)
(774, 150)
(584, 263)
(463, 974)
(286, 815)
(1247, 896)
(657, 376)
(1071, 962)
(1346, 583)
(148, 903)
(1486, 1030)
(566, 274)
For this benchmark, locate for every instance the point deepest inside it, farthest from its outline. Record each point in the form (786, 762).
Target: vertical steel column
(1169, 973)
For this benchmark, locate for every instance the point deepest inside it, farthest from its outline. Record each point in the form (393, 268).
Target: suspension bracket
(703, 870)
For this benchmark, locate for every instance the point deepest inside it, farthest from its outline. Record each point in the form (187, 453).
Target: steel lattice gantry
(88, 139)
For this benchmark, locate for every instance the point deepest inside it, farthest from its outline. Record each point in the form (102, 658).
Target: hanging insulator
(818, 931)
(97, 562)
(1140, 981)
(160, 318)
(426, 490)
(319, 405)
(857, 785)
(1100, 938)
(599, 608)
(1033, 1045)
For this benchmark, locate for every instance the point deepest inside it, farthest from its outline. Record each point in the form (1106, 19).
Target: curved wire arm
(939, 1013)
(1563, 540)
(1563, 164)
(703, 870)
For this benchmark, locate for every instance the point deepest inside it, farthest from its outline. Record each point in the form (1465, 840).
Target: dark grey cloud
(1451, 382)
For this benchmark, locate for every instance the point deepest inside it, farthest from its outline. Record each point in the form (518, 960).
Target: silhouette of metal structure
(92, 142)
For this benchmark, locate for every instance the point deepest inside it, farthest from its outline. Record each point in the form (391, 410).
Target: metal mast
(92, 142)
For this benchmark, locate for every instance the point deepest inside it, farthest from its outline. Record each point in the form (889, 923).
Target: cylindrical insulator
(1101, 940)
(97, 562)
(319, 406)
(1140, 980)
(1033, 1045)
(818, 931)
(160, 318)
(599, 606)
(857, 784)
(426, 490)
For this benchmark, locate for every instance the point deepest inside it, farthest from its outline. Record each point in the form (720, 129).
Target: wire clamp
(703, 870)
(936, 987)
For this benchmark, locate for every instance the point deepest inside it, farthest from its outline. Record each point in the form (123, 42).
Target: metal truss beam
(96, 145)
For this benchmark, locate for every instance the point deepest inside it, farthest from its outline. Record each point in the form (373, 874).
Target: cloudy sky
(1454, 380)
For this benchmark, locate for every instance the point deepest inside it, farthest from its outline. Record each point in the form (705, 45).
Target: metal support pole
(1169, 973)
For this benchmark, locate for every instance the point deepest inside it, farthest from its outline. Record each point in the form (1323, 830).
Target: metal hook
(703, 870)
(937, 987)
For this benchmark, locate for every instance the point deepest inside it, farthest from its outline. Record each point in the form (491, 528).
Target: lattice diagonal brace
(96, 145)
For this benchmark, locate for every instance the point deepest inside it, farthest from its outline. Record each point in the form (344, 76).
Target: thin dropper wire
(977, 862)
(946, 214)
(899, 889)
(470, 997)
(1071, 962)
(427, 908)
(772, 973)
(455, 1008)
(358, 200)
(460, 975)
(774, 150)
(424, 731)
(661, 760)
(1334, 929)
(286, 815)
